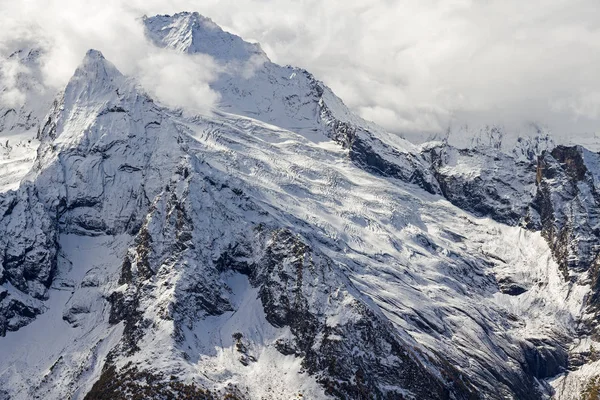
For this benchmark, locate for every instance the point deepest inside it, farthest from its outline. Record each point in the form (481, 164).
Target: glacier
(280, 246)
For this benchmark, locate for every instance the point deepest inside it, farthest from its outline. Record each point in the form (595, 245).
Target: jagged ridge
(432, 300)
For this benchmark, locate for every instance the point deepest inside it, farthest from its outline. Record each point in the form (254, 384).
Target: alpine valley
(281, 247)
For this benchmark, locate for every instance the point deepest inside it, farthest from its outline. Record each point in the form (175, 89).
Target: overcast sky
(409, 65)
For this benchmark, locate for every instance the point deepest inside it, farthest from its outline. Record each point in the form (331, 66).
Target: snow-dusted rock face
(486, 182)
(556, 195)
(531, 147)
(328, 322)
(28, 258)
(82, 181)
(24, 101)
(21, 107)
(104, 152)
(282, 247)
(28, 248)
(567, 201)
(111, 162)
(287, 97)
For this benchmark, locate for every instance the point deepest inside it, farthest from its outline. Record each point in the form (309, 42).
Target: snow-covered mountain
(23, 106)
(281, 247)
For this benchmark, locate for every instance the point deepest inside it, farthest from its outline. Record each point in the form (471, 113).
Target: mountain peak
(94, 54)
(94, 65)
(242, 254)
(194, 33)
(94, 76)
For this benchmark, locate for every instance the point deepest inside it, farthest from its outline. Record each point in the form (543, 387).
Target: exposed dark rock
(507, 286)
(114, 109)
(371, 154)
(125, 307)
(126, 273)
(544, 358)
(129, 168)
(72, 314)
(567, 202)
(286, 347)
(14, 314)
(290, 273)
(571, 161)
(129, 383)
(496, 186)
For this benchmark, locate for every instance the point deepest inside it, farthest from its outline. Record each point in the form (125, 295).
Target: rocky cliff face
(28, 260)
(555, 195)
(567, 202)
(485, 182)
(282, 247)
(289, 274)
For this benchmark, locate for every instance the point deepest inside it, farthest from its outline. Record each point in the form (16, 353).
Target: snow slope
(279, 247)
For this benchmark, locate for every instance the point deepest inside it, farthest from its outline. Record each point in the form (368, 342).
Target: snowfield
(277, 248)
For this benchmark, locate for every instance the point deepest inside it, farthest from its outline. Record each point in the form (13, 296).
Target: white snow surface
(431, 268)
(49, 357)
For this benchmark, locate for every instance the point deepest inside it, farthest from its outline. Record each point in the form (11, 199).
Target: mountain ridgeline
(281, 246)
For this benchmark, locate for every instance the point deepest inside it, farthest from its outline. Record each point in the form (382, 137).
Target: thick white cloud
(414, 66)
(179, 80)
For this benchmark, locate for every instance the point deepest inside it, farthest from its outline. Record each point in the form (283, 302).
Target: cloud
(180, 80)
(414, 66)
(11, 96)
(67, 29)
(584, 105)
